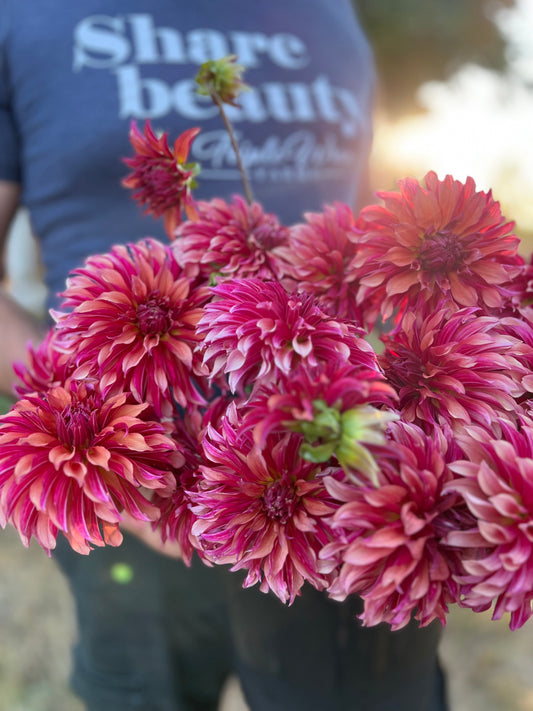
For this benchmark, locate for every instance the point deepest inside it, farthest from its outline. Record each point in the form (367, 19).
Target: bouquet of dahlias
(222, 386)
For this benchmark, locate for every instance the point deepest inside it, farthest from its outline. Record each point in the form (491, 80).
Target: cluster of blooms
(222, 386)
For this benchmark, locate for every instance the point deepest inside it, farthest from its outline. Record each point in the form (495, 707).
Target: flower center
(163, 180)
(74, 425)
(267, 236)
(405, 369)
(154, 315)
(279, 501)
(441, 252)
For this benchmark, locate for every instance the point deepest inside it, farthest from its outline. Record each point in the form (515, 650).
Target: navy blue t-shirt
(73, 75)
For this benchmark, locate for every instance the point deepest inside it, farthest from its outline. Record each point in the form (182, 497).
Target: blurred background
(456, 96)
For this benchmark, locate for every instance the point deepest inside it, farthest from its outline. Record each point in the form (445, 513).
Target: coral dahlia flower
(497, 486)
(389, 539)
(231, 240)
(263, 510)
(439, 239)
(133, 324)
(72, 461)
(319, 257)
(254, 330)
(161, 178)
(454, 367)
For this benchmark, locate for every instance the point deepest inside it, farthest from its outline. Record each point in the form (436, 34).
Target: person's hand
(143, 531)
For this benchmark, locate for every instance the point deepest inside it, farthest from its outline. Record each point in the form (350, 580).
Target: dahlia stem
(229, 128)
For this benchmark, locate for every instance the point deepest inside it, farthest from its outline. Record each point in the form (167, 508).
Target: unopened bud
(222, 79)
(347, 436)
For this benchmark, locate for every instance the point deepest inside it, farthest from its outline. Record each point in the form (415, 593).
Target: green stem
(229, 129)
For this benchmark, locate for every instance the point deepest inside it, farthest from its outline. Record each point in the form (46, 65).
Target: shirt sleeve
(9, 139)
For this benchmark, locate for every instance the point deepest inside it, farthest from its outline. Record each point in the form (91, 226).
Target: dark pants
(157, 643)
(315, 656)
(161, 643)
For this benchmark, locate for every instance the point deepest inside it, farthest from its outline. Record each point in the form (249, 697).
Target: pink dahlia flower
(254, 330)
(176, 518)
(175, 515)
(230, 240)
(519, 294)
(49, 365)
(263, 510)
(497, 486)
(524, 296)
(440, 239)
(161, 178)
(389, 539)
(521, 329)
(454, 367)
(72, 461)
(133, 324)
(334, 407)
(319, 258)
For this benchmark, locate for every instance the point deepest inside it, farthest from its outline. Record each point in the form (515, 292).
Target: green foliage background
(5, 404)
(415, 41)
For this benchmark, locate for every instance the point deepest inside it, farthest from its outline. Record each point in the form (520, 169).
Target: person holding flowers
(212, 381)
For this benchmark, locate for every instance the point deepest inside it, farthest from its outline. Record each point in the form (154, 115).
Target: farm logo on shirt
(127, 45)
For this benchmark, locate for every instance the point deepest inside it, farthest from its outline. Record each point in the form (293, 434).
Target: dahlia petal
(98, 456)
(44, 533)
(39, 439)
(411, 522)
(458, 411)
(491, 272)
(112, 534)
(78, 543)
(303, 348)
(37, 493)
(76, 470)
(507, 505)
(23, 465)
(96, 490)
(518, 556)
(400, 283)
(461, 292)
(494, 534)
(235, 361)
(60, 454)
(361, 555)
(388, 495)
(465, 539)
(183, 352)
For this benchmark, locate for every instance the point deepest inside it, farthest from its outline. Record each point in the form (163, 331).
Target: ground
(488, 666)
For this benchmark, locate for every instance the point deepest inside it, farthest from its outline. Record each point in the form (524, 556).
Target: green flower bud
(345, 436)
(222, 79)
